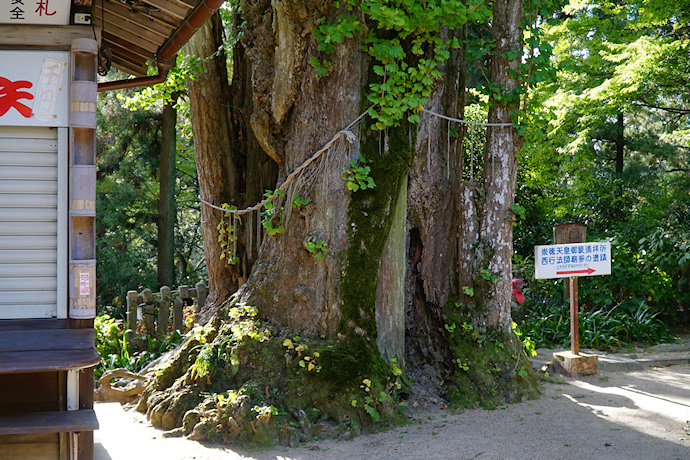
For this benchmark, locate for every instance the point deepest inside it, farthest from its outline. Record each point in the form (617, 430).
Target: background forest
(129, 158)
(611, 151)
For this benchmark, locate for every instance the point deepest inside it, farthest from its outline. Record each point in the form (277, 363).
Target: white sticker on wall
(48, 89)
(84, 283)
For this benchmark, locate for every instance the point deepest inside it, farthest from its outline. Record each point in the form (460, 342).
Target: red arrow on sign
(589, 271)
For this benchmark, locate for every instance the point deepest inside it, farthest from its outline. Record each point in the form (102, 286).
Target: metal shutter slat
(28, 222)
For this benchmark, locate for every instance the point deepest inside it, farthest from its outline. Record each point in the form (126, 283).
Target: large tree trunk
(292, 119)
(413, 241)
(216, 162)
(435, 221)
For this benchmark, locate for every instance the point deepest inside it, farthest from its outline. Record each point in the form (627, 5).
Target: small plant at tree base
(450, 327)
(265, 411)
(316, 246)
(357, 177)
(369, 400)
(528, 344)
(308, 363)
(373, 404)
(463, 364)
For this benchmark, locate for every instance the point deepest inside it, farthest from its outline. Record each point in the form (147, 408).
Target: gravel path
(618, 413)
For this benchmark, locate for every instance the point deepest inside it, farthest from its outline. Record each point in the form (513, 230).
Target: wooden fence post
(201, 294)
(178, 314)
(148, 311)
(132, 305)
(164, 310)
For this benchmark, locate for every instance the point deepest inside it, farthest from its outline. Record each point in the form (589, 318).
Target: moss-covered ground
(490, 367)
(246, 380)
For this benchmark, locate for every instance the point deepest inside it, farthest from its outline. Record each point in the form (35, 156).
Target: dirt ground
(615, 414)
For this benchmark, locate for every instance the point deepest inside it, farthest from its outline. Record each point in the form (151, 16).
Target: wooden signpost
(571, 260)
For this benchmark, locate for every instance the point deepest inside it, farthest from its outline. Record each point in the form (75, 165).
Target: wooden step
(51, 349)
(47, 360)
(49, 422)
(32, 324)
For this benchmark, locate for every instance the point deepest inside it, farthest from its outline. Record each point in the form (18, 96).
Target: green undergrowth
(120, 348)
(490, 367)
(240, 379)
(547, 321)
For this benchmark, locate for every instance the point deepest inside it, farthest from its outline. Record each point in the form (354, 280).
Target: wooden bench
(44, 348)
(25, 351)
(48, 422)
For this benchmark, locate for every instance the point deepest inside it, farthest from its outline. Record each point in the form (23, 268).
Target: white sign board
(574, 259)
(34, 88)
(52, 12)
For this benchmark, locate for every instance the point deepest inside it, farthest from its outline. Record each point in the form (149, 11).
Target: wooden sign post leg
(574, 326)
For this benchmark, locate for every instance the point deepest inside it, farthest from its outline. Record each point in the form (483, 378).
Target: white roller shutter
(31, 201)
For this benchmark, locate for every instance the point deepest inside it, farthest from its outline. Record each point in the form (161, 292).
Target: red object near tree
(10, 95)
(517, 291)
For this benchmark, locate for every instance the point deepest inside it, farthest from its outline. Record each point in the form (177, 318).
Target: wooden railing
(155, 308)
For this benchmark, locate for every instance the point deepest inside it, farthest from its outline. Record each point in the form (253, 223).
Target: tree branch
(667, 109)
(677, 170)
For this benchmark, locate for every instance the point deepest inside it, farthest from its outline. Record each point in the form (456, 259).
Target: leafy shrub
(634, 278)
(547, 322)
(111, 344)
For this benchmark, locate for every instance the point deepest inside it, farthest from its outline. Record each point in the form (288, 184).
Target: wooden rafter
(169, 8)
(142, 33)
(124, 13)
(135, 30)
(118, 43)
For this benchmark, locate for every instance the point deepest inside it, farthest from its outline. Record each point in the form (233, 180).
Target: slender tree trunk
(500, 169)
(620, 144)
(167, 209)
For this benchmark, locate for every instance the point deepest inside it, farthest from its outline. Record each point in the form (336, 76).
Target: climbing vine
(227, 235)
(408, 39)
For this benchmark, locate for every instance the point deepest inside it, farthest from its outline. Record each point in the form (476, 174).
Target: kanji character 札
(10, 96)
(43, 8)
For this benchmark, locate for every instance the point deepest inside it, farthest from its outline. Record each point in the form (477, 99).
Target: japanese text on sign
(34, 88)
(11, 94)
(574, 259)
(53, 12)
